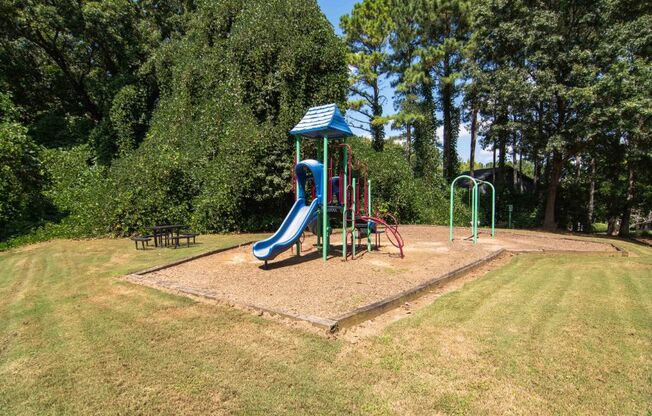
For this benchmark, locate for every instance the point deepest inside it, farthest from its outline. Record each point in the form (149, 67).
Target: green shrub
(78, 188)
(395, 190)
(599, 227)
(217, 155)
(21, 174)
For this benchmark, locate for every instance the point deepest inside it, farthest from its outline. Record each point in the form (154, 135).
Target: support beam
(297, 143)
(324, 191)
(369, 215)
(354, 231)
(343, 195)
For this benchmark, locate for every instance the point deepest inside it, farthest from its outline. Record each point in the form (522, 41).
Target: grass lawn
(543, 335)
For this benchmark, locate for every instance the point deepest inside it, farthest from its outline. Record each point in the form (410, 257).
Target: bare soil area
(308, 286)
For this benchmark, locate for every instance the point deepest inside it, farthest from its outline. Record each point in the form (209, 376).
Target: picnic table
(164, 231)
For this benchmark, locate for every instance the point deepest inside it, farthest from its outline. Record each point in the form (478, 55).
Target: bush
(21, 175)
(395, 190)
(599, 227)
(78, 188)
(217, 155)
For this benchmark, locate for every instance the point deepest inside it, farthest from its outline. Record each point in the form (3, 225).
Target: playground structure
(336, 295)
(331, 195)
(475, 205)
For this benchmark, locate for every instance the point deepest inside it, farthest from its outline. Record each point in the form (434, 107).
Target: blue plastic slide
(299, 216)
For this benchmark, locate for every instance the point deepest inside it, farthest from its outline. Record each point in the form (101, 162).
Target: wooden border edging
(191, 258)
(618, 252)
(375, 309)
(323, 323)
(360, 314)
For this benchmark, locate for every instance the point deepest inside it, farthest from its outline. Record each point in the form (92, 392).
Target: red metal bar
(349, 163)
(329, 196)
(341, 189)
(397, 240)
(314, 190)
(365, 196)
(357, 198)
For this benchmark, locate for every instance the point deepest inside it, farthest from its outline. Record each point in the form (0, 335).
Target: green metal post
(297, 145)
(493, 209)
(474, 207)
(345, 163)
(297, 142)
(324, 191)
(354, 230)
(477, 214)
(493, 205)
(369, 215)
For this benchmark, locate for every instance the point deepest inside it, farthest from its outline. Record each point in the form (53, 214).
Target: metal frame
(475, 205)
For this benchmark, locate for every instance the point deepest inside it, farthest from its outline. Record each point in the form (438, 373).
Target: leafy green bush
(78, 189)
(21, 175)
(395, 190)
(599, 227)
(217, 155)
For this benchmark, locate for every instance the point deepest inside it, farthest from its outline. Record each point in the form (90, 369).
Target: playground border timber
(355, 316)
(331, 325)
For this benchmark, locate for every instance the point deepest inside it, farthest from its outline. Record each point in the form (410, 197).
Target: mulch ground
(307, 285)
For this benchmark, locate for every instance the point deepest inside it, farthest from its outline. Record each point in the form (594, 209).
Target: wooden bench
(142, 239)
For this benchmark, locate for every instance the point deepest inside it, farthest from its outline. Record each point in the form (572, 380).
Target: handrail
(474, 204)
(399, 239)
(493, 205)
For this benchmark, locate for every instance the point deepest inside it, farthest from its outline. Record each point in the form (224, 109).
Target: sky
(334, 9)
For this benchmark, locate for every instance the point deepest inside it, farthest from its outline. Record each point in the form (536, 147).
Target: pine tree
(366, 32)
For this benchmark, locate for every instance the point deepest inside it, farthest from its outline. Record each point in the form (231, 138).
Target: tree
(549, 48)
(447, 31)
(624, 110)
(366, 33)
(66, 61)
(21, 174)
(218, 154)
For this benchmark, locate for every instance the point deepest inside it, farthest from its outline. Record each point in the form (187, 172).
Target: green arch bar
(475, 205)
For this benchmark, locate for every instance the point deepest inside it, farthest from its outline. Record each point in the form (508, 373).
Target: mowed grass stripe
(543, 335)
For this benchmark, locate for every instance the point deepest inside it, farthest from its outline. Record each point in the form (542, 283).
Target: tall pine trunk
(493, 167)
(520, 171)
(474, 136)
(537, 170)
(591, 208)
(627, 209)
(514, 161)
(549, 222)
(408, 139)
(377, 131)
(447, 114)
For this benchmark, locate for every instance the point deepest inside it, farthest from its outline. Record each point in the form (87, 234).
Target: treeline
(116, 115)
(565, 86)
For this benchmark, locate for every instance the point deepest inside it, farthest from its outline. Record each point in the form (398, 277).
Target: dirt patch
(306, 286)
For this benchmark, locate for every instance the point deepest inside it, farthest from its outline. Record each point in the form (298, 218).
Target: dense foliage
(564, 86)
(119, 114)
(217, 154)
(21, 174)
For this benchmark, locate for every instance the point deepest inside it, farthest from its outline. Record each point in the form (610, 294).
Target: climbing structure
(475, 206)
(332, 195)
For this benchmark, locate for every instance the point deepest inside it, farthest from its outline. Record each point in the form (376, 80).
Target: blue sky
(334, 9)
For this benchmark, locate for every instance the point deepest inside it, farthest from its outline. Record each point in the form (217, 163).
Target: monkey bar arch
(475, 205)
